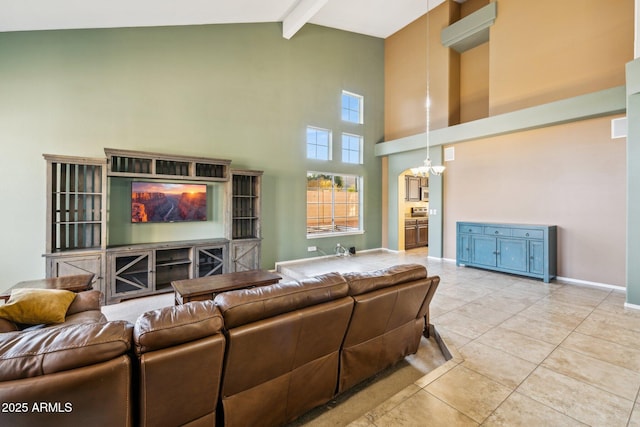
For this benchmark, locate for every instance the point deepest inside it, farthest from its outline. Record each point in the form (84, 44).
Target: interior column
(633, 172)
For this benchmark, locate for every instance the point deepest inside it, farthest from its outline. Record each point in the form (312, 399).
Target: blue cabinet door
(483, 250)
(464, 248)
(512, 254)
(536, 256)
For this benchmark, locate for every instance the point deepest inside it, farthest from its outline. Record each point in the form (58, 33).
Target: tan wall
(546, 50)
(405, 81)
(572, 176)
(406, 76)
(473, 66)
(474, 83)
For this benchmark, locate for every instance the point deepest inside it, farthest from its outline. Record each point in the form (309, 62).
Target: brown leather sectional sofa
(260, 356)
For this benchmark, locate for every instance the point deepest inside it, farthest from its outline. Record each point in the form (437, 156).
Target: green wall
(238, 92)
(633, 182)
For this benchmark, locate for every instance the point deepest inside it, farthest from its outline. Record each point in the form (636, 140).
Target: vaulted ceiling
(378, 18)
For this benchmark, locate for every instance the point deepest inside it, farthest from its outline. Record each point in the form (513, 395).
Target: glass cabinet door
(131, 273)
(210, 261)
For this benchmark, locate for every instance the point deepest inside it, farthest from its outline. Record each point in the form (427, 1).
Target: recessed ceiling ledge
(470, 31)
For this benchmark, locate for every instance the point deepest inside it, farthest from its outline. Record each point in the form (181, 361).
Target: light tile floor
(525, 353)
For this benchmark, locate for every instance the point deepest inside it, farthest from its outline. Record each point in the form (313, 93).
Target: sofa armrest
(170, 326)
(45, 351)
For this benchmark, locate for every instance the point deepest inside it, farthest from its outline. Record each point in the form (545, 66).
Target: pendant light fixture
(427, 168)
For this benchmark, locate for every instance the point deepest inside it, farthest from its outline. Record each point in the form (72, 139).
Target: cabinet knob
(527, 235)
(496, 232)
(469, 230)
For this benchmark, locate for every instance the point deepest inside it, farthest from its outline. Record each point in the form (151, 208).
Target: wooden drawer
(530, 234)
(471, 229)
(497, 231)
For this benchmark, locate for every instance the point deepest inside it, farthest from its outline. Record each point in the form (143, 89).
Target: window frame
(360, 148)
(333, 227)
(360, 111)
(329, 147)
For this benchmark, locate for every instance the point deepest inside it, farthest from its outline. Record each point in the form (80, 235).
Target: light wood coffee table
(205, 288)
(76, 283)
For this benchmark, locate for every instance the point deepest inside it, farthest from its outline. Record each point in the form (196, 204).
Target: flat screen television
(168, 202)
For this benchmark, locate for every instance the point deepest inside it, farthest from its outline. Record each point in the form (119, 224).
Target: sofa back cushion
(49, 350)
(387, 321)
(250, 305)
(180, 351)
(363, 282)
(85, 301)
(280, 367)
(283, 346)
(170, 326)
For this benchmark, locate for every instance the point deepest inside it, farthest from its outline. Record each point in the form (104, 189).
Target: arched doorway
(413, 211)
(398, 164)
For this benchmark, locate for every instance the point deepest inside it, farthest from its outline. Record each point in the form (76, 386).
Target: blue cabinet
(528, 250)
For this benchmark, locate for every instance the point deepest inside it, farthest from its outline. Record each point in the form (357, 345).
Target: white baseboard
(588, 283)
(632, 306)
(450, 260)
(295, 261)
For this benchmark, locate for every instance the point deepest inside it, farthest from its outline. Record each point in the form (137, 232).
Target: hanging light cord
(427, 168)
(428, 106)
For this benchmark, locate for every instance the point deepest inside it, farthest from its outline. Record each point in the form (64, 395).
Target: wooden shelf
(127, 163)
(245, 215)
(172, 263)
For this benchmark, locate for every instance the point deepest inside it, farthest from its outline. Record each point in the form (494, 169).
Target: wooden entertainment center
(77, 224)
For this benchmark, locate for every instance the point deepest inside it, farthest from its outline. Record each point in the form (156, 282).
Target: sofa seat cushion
(363, 282)
(250, 305)
(36, 306)
(49, 350)
(170, 326)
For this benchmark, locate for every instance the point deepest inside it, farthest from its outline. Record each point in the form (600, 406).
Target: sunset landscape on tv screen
(164, 202)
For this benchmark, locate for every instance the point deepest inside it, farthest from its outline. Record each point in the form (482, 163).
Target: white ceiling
(378, 18)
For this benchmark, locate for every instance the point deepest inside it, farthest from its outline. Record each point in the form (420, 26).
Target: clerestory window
(318, 143)
(352, 106)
